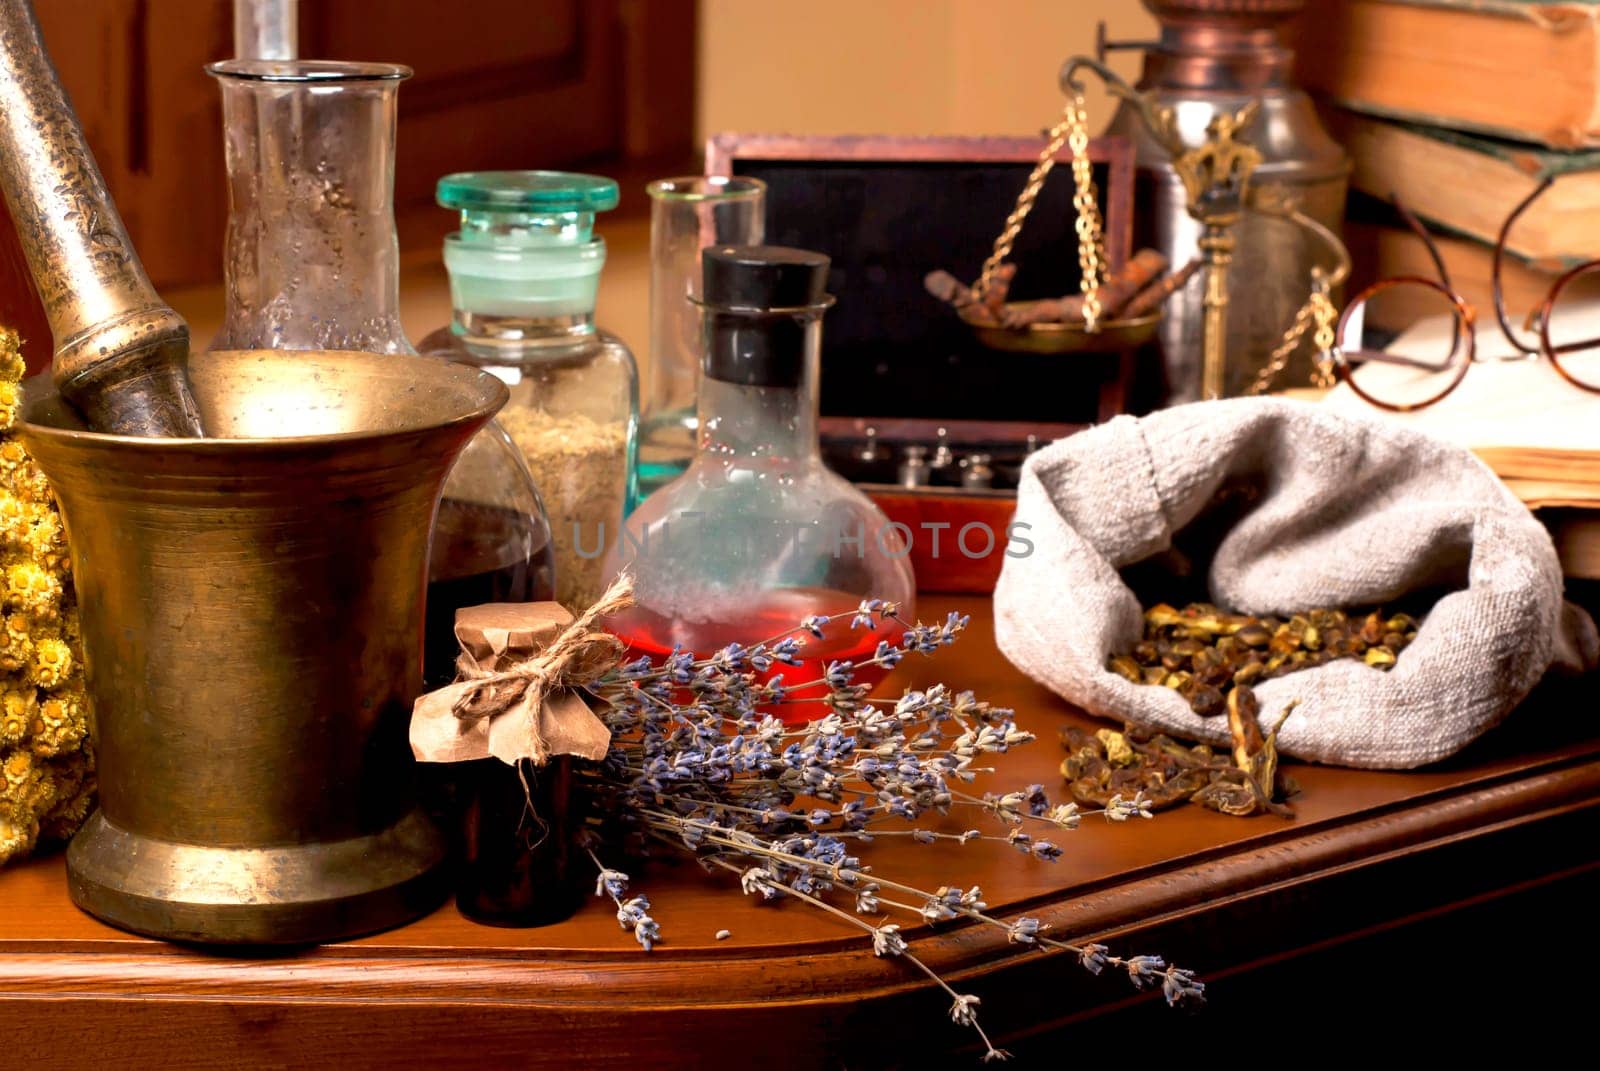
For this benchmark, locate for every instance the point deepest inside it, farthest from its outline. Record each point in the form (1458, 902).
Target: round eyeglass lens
(1571, 332)
(1405, 343)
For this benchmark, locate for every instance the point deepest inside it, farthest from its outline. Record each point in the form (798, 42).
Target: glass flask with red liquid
(758, 534)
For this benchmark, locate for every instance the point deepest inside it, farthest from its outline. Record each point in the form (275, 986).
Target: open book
(1538, 432)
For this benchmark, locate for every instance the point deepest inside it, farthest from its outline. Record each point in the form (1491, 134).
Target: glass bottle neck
(750, 423)
(554, 332)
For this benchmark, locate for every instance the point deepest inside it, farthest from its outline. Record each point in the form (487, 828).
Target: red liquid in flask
(648, 633)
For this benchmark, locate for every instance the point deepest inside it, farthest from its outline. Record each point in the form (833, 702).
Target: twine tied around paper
(523, 704)
(581, 654)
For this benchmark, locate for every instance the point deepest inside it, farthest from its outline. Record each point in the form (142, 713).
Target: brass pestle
(121, 353)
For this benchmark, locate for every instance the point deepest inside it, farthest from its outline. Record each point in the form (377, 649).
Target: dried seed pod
(1250, 672)
(1161, 614)
(1123, 666)
(1207, 701)
(1372, 629)
(1381, 657)
(1253, 636)
(1118, 750)
(1187, 649)
(1244, 725)
(1202, 652)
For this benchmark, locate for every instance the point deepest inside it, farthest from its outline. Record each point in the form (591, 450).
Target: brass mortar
(252, 624)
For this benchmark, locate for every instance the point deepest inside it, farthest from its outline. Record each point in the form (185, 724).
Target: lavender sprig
(632, 913)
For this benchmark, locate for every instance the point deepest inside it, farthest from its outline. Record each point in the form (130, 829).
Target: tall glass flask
(312, 260)
(686, 215)
(313, 263)
(758, 533)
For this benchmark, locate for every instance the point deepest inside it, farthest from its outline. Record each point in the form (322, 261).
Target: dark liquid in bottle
(482, 554)
(517, 865)
(512, 846)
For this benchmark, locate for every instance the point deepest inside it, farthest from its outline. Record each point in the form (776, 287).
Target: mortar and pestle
(251, 595)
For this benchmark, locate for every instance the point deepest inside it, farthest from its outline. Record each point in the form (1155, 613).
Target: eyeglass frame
(1465, 315)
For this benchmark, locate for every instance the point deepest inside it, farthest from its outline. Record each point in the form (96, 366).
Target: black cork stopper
(759, 301)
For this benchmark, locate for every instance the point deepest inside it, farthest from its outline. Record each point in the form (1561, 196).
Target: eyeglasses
(1406, 342)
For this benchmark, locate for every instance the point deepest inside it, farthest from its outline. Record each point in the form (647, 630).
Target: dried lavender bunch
(699, 762)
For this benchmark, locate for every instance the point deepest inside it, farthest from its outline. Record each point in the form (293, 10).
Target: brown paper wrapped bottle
(504, 740)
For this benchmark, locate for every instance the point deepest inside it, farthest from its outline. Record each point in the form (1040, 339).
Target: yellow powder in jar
(579, 465)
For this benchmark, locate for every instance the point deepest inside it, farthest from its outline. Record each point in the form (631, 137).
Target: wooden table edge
(845, 972)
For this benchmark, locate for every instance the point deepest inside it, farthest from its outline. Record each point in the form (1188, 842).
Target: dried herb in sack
(1202, 652)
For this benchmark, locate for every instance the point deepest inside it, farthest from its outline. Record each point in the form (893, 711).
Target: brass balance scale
(1216, 180)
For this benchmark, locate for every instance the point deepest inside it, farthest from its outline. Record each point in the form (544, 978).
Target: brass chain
(1091, 256)
(1322, 374)
(1072, 131)
(1317, 309)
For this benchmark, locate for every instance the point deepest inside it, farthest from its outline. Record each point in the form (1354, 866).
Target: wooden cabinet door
(498, 84)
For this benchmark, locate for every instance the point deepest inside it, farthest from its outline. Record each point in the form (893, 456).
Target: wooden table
(1257, 906)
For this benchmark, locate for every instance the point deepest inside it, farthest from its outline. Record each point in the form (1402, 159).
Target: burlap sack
(1273, 506)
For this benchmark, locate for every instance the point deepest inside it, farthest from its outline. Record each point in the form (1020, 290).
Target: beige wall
(900, 66)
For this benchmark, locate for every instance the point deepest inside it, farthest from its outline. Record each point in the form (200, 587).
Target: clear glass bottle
(686, 215)
(758, 534)
(524, 270)
(312, 259)
(312, 263)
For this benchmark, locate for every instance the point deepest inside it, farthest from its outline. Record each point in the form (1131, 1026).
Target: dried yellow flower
(18, 709)
(52, 663)
(16, 518)
(61, 724)
(12, 365)
(12, 457)
(23, 780)
(30, 485)
(32, 588)
(16, 642)
(10, 402)
(46, 543)
(18, 830)
(46, 764)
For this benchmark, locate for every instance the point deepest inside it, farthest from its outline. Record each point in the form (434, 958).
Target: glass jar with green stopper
(524, 270)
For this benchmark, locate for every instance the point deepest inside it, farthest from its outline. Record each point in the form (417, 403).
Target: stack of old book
(1460, 108)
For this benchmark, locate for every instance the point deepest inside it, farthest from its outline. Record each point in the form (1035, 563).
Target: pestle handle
(121, 353)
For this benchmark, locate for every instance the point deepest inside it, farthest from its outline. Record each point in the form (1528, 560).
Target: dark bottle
(518, 825)
(512, 845)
